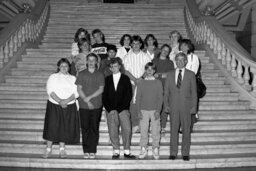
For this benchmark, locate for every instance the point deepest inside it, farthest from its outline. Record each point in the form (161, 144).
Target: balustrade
(240, 65)
(28, 31)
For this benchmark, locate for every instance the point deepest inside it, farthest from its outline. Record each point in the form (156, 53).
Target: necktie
(179, 79)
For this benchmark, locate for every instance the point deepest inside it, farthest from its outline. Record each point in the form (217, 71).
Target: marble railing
(24, 28)
(238, 63)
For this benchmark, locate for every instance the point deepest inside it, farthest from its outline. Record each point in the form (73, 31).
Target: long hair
(153, 37)
(123, 37)
(86, 33)
(188, 42)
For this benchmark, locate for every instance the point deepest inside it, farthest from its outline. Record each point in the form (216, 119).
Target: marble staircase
(225, 136)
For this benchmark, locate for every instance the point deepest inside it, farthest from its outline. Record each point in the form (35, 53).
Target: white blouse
(193, 63)
(121, 52)
(74, 49)
(62, 85)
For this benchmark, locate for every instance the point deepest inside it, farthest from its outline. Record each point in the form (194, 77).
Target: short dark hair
(80, 30)
(111, 47)
(153, 37)
(123, 37)
(116, 60)
(81, 42)
(94, 55)
(150, 64)
(163, 46)
(98, 31)
(63, 60)
(188, 42)
(138, 39)
(119, 61)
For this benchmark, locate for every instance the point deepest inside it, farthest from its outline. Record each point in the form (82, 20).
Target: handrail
(234, 59)
(23, 28)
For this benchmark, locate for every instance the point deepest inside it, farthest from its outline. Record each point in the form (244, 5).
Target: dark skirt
(61, 124)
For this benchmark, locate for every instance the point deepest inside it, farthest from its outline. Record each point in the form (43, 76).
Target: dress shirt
(177, 73)
(135, 63)
(116, 78)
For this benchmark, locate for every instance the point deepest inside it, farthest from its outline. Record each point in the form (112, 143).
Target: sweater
(149, 95)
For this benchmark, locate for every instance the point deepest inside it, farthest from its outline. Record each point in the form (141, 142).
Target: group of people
(137, 85)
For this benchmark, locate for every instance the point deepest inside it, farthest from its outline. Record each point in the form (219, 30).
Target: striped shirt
(135, 63)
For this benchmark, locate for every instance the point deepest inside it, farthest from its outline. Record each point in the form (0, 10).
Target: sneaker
(135, 129)
(156, 153)
(86, 155)
(63, 153)
(143, 153)
(47, 153)
(163, 132)
(197, 117)
(92, 156)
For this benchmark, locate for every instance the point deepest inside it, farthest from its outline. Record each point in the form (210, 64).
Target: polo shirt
(90, 83)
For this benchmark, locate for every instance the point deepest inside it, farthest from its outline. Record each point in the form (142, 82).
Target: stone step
(202, 138)
(40, 114)
(201, 103)
(203, 114)
(53, 67)
(41, 87)
(224, 125)
(44, 96)
(107, 150)
(20, 72)
(71, 29)
(131, 15)
(211, 161)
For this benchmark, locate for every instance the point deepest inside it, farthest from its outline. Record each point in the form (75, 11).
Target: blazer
(181, 100)
(120, 98)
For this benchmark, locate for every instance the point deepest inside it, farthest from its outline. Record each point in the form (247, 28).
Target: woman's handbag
(201, 88)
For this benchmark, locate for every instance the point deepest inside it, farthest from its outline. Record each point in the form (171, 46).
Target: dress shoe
(185, 158)
(172, 157)
(129, 156)
(116, 156)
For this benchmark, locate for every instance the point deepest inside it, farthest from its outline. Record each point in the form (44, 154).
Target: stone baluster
(1, 56)
(253, 70)
(6, 51)
(223, 57)
(211, 40)
(22, 33)
(247, 86)
(219, 49)
(205, 33)
(233, 66)
(11, 46)
(228, 58)
(15, 41)
(208, 36)
(215, 44)
(239, 69)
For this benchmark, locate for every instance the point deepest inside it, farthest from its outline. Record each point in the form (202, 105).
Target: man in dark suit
(180, 100)
(117, 97)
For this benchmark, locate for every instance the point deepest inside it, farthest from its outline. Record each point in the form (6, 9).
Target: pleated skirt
(61, 124)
